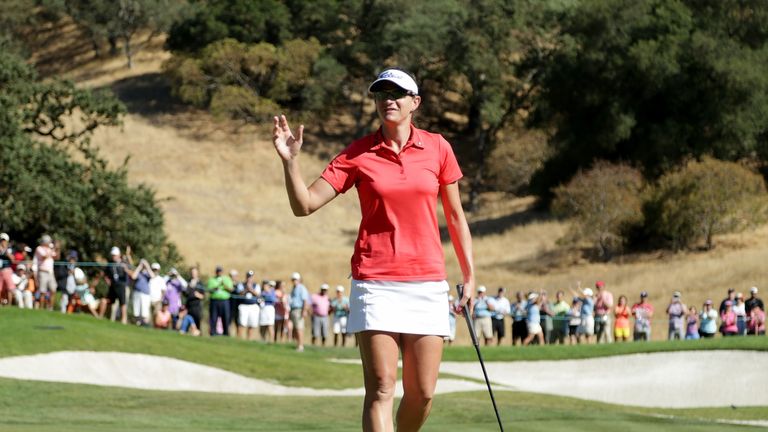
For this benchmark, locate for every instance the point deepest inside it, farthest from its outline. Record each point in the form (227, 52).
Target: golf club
(460, 290)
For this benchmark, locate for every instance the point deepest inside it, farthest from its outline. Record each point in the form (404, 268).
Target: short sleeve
(449, 167)
(341, 173)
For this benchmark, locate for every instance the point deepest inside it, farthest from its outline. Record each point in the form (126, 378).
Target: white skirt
(399, 307)
(267, 315)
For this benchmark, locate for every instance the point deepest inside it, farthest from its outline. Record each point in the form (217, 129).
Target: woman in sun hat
(399, 287)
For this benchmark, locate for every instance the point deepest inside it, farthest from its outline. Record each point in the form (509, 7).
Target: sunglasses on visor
(391, 94)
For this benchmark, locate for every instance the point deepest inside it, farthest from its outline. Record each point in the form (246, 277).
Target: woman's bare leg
(379, 352)
(421, 365)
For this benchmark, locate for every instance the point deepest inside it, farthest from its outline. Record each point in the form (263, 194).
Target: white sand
(685, 379)
(670, 380)
(143, 371)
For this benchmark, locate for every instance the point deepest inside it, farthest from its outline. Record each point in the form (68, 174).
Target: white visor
(397, 77)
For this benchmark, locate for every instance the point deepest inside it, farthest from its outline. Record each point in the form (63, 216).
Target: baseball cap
(739, 295)
(114, 251)
(587, 291)
(324, 286)
(155, 266)
(72, 254)
(644, 294)
(708, 302)
(233, 272)
(481, 288)
(676, 294)
(4, 236)
(173, 271)
(21, 267)
(295, 276)
(600, 284)
(45, 239)
(532, 296)
(339, 288)
(396, 76)
(79, 275)
(753, 290)
(249, 273)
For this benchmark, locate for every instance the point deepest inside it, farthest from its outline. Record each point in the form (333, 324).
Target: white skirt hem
(419, 307)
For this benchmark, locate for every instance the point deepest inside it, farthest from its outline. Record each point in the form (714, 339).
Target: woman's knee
(381, 388)
(421, 396)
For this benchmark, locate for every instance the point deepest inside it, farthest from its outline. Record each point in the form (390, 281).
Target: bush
(242, 20)
(253, 82)
(60, 185)
(703, 198)
(605, 202)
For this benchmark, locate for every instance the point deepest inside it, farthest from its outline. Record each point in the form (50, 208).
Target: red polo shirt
(399, 239)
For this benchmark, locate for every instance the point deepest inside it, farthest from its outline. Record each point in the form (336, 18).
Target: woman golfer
(399, 288)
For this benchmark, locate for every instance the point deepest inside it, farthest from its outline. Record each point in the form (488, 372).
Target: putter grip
(465, 310)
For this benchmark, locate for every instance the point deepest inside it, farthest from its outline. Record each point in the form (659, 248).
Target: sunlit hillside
(222, 190)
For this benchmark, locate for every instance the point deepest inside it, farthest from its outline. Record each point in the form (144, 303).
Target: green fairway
(39, 406)
(36, 406)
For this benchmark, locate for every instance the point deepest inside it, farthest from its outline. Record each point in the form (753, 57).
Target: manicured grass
(33, 332)
(39, 406)
(35, 406)
(562, 352)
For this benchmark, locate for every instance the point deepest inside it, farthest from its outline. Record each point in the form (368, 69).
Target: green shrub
(702, 198)
(252, 82)
(604, 203)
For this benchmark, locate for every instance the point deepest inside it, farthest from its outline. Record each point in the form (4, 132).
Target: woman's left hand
(467, 292)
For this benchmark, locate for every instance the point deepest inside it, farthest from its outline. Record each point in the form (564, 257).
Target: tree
(60, 185)
(253, 81)
(605, 202)
(653, 82)
(703, 198)
(121, 20)
(242, 20)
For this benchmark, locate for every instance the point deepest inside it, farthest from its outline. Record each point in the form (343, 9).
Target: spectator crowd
(592, 316)
(265, 309)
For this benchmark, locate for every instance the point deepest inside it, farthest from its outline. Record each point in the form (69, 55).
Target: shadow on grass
(501, 224)
(147, 95)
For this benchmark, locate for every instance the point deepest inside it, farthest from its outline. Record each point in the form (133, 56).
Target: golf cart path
(685, 379)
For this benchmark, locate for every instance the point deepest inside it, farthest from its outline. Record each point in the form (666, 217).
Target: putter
(460, 290)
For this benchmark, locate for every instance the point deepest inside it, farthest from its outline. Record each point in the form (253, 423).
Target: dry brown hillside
(226, 204)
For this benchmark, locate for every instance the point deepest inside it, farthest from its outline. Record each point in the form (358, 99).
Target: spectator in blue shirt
(299, 303)
(519, 328)
(482, 315)
(533, 320)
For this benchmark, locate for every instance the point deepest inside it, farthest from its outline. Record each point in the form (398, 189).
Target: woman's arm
(460, 237)
(304, 200)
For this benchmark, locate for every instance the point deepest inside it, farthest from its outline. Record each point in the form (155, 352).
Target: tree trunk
(112, 44)
(128, 50)
(475, 129)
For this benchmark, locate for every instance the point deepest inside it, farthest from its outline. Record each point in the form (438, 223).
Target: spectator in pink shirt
(42, 265)
(321, 305)
(7, 287)
(728, 317)
(603, 309)
(756, 324)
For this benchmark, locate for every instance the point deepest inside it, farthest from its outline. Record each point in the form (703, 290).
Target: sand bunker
(684, 379)
(150, 372)
(669, 380)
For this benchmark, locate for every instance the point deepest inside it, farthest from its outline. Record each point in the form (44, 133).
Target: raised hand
(286, 144)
